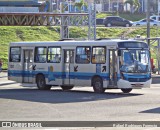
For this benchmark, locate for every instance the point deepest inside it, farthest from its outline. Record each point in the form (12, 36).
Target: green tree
(80, 4)
(134, 5)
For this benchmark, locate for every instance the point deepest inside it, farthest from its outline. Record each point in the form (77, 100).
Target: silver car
(143, 22)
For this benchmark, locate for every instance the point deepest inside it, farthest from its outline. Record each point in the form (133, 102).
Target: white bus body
(101, 64)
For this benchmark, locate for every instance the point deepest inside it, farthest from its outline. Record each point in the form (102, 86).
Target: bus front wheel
(98, 85)
(126, 90)
(66, 87)
(41, 83)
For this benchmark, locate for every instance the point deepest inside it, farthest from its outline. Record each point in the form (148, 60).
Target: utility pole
(158, 7)
(64, 20)
(117, 7)
(92, 20)
(148, 22)
(51, 5)
(58, 6)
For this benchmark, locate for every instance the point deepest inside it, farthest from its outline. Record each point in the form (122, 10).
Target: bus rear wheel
(41, 83)
(126, 90)
(98, 85)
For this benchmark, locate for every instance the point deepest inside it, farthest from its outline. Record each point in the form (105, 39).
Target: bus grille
(137, 80)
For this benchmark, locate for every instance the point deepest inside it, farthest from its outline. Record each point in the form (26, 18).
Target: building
(19, 6)
(111, 5)
(143, 6)
(20, 3)
(118, 5)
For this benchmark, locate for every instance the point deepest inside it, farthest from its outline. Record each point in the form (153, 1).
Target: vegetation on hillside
(15, 34)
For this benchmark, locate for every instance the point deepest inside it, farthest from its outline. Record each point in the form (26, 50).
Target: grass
(110, 32)
(15, 34)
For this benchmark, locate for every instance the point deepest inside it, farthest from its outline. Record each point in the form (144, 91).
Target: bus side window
(42, 58)
(98, 55)
(40, 54)
(15, 54)
(37, 58)
(93, 59)
(54, 55)
(77, 58)
(83, 55)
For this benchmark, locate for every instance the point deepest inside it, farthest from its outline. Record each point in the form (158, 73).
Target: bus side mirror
(119, 52)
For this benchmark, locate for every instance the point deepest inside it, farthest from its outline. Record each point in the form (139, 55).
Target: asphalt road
(23, 102)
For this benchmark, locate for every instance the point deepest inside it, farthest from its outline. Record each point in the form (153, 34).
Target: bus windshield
(135, 61)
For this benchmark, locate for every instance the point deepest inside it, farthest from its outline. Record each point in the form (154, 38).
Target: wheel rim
(127, 25)
(109, 25)
(98, 85)
(41, 82)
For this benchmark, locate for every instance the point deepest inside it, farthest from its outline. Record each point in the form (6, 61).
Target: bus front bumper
(134, 85)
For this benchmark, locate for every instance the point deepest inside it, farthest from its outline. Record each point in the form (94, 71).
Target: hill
(15, 34)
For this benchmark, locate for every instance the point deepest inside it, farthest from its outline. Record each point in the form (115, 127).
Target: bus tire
(126, 90)
(98, 85)
(41, 83)
(66, 87)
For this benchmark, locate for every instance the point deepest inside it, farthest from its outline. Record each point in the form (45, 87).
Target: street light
(117, 6)
(148, 22)
(158, 7)
(57, 6)
(92, 19)
(51, 5)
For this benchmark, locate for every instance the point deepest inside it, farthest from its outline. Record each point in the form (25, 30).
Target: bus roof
(71, 43)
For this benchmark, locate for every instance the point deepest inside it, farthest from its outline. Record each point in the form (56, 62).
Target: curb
(4, 71)
(7, 83)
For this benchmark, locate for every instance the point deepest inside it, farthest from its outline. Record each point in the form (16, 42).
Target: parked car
(99, 21)
(155, 17)
(116, 21)
(143, 22)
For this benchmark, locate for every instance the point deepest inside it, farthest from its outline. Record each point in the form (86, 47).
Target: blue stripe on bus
(73, 75)
(136, 76)
(58, 75)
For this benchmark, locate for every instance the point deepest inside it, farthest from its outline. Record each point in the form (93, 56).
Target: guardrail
(42, 19)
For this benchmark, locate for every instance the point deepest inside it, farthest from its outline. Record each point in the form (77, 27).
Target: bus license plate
(137, 85)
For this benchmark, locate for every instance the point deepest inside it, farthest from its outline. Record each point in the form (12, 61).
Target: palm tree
(80, 4)
(154, 6)
(134, 5)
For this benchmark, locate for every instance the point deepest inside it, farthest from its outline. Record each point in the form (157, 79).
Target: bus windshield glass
(135, 61)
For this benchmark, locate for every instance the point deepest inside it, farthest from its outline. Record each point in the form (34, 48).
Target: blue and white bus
(102, 64)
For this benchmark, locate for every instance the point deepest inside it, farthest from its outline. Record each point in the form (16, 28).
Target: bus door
(113, 67)
(68, 67)
(28, 66)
